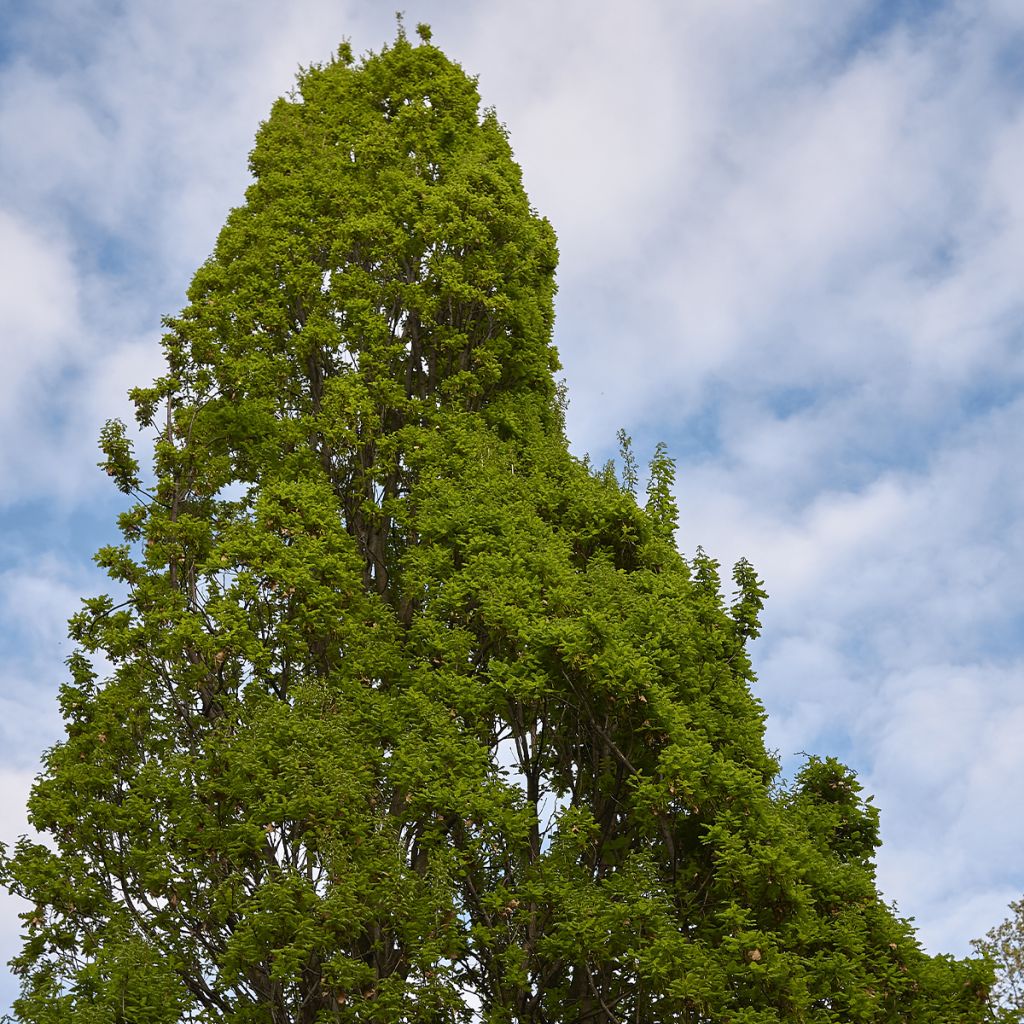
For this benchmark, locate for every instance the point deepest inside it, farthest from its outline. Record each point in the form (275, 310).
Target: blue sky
(791, 241)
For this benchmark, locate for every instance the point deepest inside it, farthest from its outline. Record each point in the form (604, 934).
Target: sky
(791, 240)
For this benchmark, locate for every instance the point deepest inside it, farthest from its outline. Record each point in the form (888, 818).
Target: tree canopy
(408, 715)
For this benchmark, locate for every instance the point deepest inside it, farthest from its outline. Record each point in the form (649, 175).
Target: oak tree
(406, 714)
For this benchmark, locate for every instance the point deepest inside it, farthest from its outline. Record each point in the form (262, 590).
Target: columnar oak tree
(408, 715)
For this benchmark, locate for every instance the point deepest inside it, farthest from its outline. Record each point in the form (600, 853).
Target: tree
(1004, 946)
(406, 715)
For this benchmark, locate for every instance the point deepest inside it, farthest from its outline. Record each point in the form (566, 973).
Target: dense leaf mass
(407, 714)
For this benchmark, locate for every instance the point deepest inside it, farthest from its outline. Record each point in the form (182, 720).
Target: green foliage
(120, 463)
(661, 503)
(629, 473)
(407, 711)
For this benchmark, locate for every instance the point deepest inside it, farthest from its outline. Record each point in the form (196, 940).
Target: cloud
(40, 323)
(946, 760)
(37, 599)
(71, 154)
(831, 232)
(38, 305)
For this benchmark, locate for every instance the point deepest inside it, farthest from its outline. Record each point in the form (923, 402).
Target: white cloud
(38, 305)
(945, 740)
(39, 328)
(38, 598)
(836, 227)
(71, 153)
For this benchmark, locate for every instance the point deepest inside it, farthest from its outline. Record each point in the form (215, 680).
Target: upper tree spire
(385, 269)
